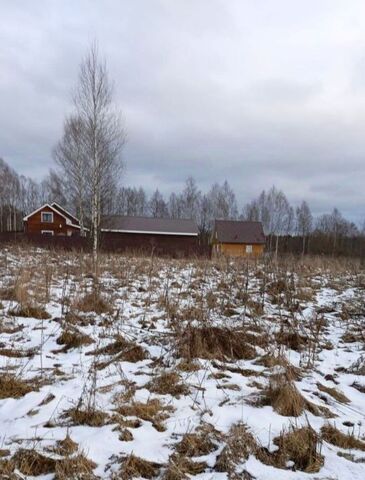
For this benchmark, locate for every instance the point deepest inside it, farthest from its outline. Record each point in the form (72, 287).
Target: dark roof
(233, 231)
(162, 226)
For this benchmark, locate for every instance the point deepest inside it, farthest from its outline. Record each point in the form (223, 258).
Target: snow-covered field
(174, 370)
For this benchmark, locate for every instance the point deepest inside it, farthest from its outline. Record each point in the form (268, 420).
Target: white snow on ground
(146, 297)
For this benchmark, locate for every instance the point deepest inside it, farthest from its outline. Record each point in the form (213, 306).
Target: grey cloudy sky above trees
(258, 93)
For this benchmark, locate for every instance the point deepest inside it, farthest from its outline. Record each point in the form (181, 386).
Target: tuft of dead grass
(136, 467)
(120, 350)
(33, 463)
(168, 383)
(66, 446)
(12, 386)
(152, 411)
(285, 398)
(73, 338)
(334, 393)
(76, 468)
(29, 311)
(180, 467)
(240, 444)
(334, 436)
(214, 343)
(93, 302)
(89, 416)
(302, 447)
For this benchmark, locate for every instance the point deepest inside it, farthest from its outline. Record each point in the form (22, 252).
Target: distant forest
(298, 230)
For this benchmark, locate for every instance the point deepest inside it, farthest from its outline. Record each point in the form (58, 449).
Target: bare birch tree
(70, 156)
(103, 137)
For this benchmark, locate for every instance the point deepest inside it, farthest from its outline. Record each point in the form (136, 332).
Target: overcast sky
(256, 92)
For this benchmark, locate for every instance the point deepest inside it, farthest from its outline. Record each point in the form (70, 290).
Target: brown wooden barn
(51, 220)
(162, 236)
(237, 238)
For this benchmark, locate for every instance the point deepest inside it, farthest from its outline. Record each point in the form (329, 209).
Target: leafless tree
(70, 156)
(304, 222)
(103, 136)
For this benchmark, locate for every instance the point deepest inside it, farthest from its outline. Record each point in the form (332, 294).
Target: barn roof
(233, 231)
(159, 226)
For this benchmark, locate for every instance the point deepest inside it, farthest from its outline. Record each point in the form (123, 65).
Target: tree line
(88, 173)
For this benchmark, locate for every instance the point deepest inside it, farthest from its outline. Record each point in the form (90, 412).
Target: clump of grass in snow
(73, 338)
(240, 444)
(214, 343)
(152, 411)
(88, 416)
(78, 467)
(302, 447)
(332, 435)
(180, 467)
(93, 302)
(33, 463)
(136, 467)
(120, 350)
(334, 393)
(285, 398)
(12, 386)
(168, 383)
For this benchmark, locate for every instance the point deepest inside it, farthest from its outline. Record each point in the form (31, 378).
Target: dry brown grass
(88, 416)
(168, 383)
(180, 467)
(285, 398)
(12, 386)
(120, 350)
(78, 468)
(17, 353)
(136, 467)
(33, 463)
(334, 393)
(240, 444)
(203, 441)
(93, 302)
(334, 436)
(152, 411)
(302, 447)
(73, 338)
(30, 311)
(214, 343)
(66, 446)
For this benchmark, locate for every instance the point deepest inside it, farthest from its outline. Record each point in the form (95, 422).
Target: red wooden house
(51, 220)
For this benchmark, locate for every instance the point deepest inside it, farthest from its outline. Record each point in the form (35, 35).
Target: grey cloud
(255, 93)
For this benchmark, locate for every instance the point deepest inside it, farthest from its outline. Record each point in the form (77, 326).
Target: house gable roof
(47, 205)
(149, 225)
(66, 213)
(233, 231)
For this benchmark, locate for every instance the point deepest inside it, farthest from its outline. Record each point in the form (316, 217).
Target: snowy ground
(178, 353)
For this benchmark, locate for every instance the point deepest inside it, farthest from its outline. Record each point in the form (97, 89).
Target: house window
(47, 217)
(248, 248)
(48, 233)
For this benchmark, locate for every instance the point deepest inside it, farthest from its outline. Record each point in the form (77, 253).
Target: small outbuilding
(161, 236)
(238, 238)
